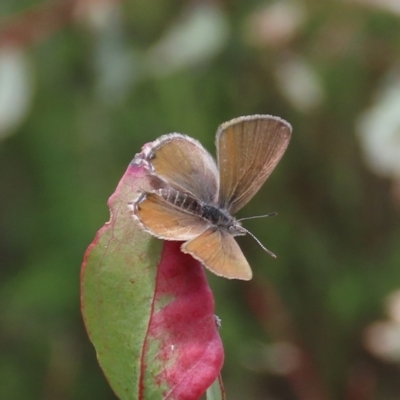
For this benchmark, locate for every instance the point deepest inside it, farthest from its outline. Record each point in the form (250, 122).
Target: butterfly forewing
(167, 221)
(186, 166)
(220, 253)
(248, 150)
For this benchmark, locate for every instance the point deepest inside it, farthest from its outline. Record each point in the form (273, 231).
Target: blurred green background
(82, 89)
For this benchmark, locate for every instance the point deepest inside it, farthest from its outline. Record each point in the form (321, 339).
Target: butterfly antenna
(259, 216)
(261, 245)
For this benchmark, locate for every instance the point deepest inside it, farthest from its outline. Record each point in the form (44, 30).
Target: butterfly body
(197, 197)
(219, 217)
(212, 214)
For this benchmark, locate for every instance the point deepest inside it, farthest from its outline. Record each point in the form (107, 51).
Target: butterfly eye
(236, 229)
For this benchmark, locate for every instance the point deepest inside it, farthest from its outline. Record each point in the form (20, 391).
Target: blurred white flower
(275, 24)
(388, 5)
(299, 83)
(382, 338)
(114, 63)
(379, 131)
(95, 14)
(283, 357)
(279, 358)
(198, 37)
(15, 89)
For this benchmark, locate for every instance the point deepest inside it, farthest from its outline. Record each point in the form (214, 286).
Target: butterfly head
(236, 229)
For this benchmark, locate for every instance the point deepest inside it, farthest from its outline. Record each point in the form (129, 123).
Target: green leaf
(216, 390)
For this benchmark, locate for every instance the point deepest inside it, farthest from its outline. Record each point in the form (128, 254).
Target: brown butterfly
(196, 198)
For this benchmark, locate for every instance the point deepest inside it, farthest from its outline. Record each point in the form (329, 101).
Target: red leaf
(190, 347)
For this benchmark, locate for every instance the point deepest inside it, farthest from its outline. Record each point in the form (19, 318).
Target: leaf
(147, 307)
(216, 391)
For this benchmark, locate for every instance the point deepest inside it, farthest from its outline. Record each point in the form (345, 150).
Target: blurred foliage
(106, 84)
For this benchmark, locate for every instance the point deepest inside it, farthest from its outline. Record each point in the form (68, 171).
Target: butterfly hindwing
(167, 221)
(220, 253)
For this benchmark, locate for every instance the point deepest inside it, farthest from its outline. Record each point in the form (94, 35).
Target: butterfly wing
(220, 253)
(248, 150)
(167, 221)
(185, 165)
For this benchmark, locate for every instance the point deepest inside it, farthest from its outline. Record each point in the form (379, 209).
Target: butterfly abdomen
(185, 201)
(182, 200)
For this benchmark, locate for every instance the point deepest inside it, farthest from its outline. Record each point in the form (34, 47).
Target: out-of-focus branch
(304, 378)
(41, 21)
(362, 383)
(37, 23)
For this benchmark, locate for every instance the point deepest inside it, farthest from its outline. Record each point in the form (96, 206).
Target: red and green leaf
(147, 307)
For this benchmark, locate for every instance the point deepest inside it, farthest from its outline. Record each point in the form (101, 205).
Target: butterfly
(197, 197)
